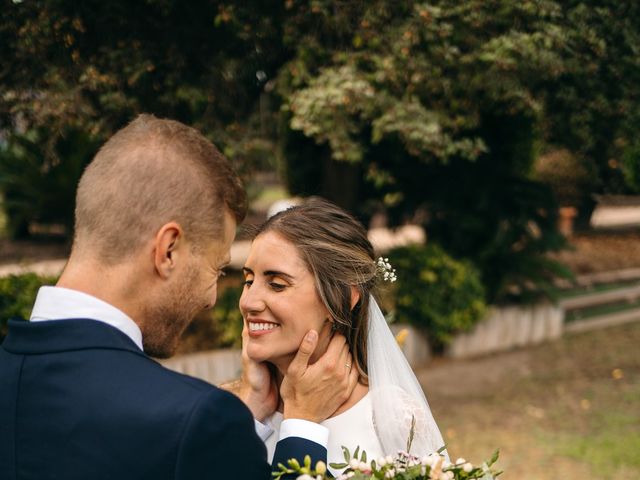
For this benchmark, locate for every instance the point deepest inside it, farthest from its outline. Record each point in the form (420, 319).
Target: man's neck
(103, 282)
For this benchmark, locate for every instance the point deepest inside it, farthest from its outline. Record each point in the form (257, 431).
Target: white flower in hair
(385, 270)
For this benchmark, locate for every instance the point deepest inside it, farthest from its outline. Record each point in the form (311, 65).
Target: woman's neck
(282, 365)
(360, 390)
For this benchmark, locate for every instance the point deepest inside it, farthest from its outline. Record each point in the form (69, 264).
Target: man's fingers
(245, 335)
(351, 375)
(301, 360)
(245, 341)
(336, 345)
(353, 380)
(345, 355)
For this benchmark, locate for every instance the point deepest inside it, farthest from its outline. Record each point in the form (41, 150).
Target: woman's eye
(248, 282)
(277, 286)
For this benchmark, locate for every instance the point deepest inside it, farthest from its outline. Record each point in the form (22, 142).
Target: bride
(312, 267)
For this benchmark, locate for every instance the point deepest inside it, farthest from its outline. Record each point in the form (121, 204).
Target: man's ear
(355, 296)
(167, 248)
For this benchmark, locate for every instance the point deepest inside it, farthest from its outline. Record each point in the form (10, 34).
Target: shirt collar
(57, 303)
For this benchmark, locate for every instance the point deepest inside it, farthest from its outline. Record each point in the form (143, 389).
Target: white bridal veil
(396, 395)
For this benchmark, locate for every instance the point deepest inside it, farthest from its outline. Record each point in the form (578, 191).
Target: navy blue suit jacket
(79, 400)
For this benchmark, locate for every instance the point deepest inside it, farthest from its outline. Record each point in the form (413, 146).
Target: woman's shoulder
(359, 393)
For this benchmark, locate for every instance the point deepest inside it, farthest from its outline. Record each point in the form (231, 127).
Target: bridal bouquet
(403, 466)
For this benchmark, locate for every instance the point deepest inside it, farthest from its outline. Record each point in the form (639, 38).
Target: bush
(436, 293)
(17, 295)
(228, 317)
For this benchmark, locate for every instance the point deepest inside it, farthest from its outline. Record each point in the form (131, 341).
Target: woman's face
(279, 302)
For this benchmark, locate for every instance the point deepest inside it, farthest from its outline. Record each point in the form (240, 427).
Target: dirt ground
(568, 409)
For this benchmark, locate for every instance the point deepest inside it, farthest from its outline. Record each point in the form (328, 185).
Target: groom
(156, 213)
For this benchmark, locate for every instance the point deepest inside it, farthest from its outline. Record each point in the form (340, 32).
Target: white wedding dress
(352, 428)
(380, 423)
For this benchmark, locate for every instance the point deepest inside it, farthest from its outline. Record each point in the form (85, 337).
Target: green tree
(80, 71)
(94, 65)
(591, 107)
(435, 106)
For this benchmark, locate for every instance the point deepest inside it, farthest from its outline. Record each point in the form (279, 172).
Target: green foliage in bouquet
(403, 466)
(17, 295)
(435, 292)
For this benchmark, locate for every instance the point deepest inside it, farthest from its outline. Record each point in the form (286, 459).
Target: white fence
(509, 327)
(215, 366)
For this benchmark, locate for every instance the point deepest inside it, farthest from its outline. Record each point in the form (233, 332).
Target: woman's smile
(258, 327)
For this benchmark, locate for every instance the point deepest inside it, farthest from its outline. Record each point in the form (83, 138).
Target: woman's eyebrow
(269, 273)
(276, 273)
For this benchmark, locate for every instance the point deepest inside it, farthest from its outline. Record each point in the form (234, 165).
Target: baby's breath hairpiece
(385, 270)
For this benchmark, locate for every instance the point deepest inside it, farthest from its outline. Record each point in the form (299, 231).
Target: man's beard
(168, 318)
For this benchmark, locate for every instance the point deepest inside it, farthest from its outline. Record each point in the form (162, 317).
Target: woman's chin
(258, 353)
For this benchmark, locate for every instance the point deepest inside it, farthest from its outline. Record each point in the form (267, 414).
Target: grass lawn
(563, 410)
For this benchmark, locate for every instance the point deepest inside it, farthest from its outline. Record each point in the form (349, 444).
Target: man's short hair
(151, 172)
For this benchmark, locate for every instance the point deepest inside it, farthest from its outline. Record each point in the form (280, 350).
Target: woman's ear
(355, 296)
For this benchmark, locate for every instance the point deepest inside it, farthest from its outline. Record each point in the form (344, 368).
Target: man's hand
(315, 392)
(257, 387)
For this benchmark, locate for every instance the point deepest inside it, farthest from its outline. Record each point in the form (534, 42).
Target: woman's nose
(251, 300)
